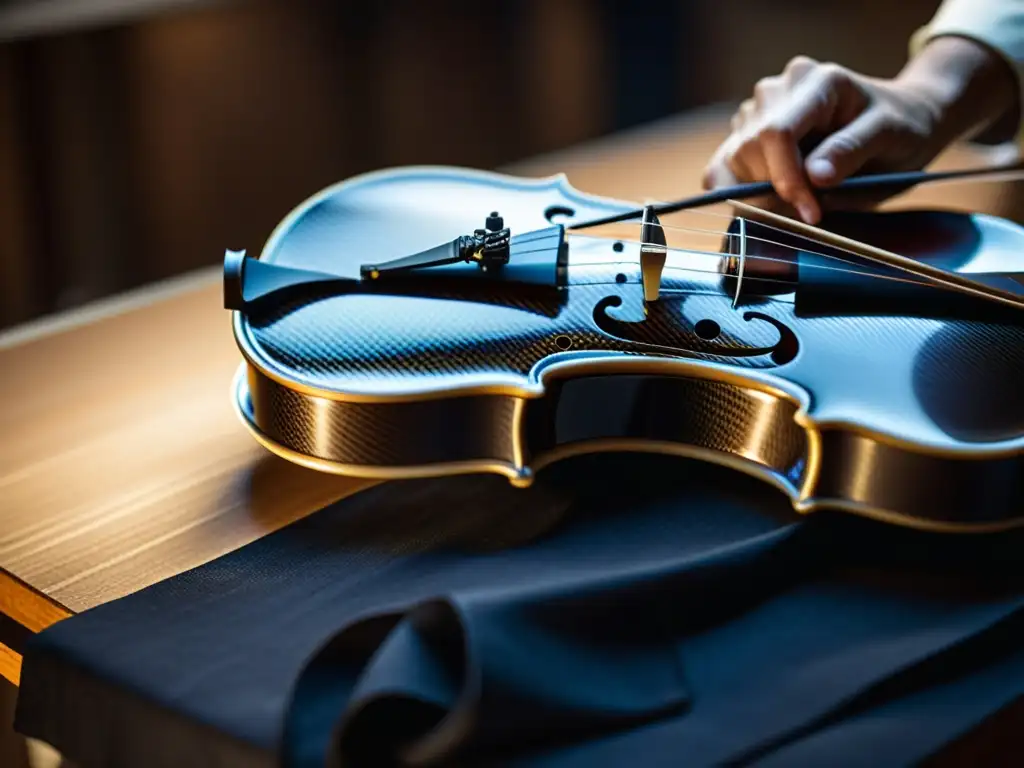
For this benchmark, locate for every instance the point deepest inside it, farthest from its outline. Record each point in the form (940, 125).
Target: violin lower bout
(745, 428)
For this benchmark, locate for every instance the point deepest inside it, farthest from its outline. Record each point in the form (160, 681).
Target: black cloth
(627, 610)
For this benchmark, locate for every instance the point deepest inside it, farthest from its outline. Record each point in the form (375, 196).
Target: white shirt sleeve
(997, 24)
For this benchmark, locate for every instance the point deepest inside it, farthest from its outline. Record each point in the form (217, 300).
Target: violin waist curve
(682, 408)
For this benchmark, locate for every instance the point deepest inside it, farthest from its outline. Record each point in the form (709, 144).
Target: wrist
(970, 88)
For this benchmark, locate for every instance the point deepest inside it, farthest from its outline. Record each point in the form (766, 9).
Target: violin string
(824, 267)
(829, 256)
(927, 281)
(760, 258)
(818, 243)
(689, 292)
(769, 242)
(699, 271)
(756, 258)
(748, 277)
(789, 233)
(749, 257)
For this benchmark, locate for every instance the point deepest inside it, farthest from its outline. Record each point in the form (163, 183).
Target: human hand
(816, 124)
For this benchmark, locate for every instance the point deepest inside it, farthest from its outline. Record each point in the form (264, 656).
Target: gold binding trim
(518, 473)
(552, 368)
(521, 476)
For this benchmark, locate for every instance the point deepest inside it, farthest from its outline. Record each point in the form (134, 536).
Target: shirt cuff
(996, 24)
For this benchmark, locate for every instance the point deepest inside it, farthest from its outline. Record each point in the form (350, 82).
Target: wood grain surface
(122, 462)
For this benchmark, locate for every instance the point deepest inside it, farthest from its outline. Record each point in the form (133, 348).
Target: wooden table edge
(19, 601)
(31, 609)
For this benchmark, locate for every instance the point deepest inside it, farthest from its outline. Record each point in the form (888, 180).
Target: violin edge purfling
(779, 422)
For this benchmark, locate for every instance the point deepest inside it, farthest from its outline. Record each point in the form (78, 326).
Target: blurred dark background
(138, 139)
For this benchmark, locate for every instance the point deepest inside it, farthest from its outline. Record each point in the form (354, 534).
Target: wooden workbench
(122, 463)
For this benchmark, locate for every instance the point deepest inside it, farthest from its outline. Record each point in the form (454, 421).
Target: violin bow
(884, 182)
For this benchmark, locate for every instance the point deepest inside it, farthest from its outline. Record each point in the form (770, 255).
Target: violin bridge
(653, 252)
(741, 262)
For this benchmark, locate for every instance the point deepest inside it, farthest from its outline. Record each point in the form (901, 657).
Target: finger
(747, 161)
(828, 99)
(717, 173)
(785, 170)
(767, 91)
(727, 167)
(822, 97)
(743, 115)
(797, 69)
(748, 112)
(717, 176)
(846, 151)
(811, 108)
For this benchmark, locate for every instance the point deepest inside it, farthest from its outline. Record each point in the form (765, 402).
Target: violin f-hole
(554, 212)
(665, 330)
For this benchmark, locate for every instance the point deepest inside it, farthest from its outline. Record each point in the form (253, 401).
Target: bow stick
(879, 182)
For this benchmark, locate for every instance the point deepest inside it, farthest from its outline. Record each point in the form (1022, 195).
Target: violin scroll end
(234, 267)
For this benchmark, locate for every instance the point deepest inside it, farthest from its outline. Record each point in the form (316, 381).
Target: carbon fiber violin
(430, 321)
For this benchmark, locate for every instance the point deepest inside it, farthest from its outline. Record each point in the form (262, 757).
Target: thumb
(846, 151)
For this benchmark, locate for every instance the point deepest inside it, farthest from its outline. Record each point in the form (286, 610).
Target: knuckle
(882, 120)
(784, 187)
(746, 146)
(830, 72)
(739, 172)
(716, 169)
(764, 88)
(886, 128)
(844, 144)
(775, 133)
(799, 63)
(735, 166)
(743, 113)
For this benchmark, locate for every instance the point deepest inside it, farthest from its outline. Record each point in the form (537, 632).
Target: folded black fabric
(628, 610)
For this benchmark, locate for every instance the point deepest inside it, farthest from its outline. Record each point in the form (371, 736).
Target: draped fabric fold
(532, 664)
(667, 614)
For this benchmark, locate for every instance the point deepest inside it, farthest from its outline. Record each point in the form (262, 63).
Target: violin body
(911, 416)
